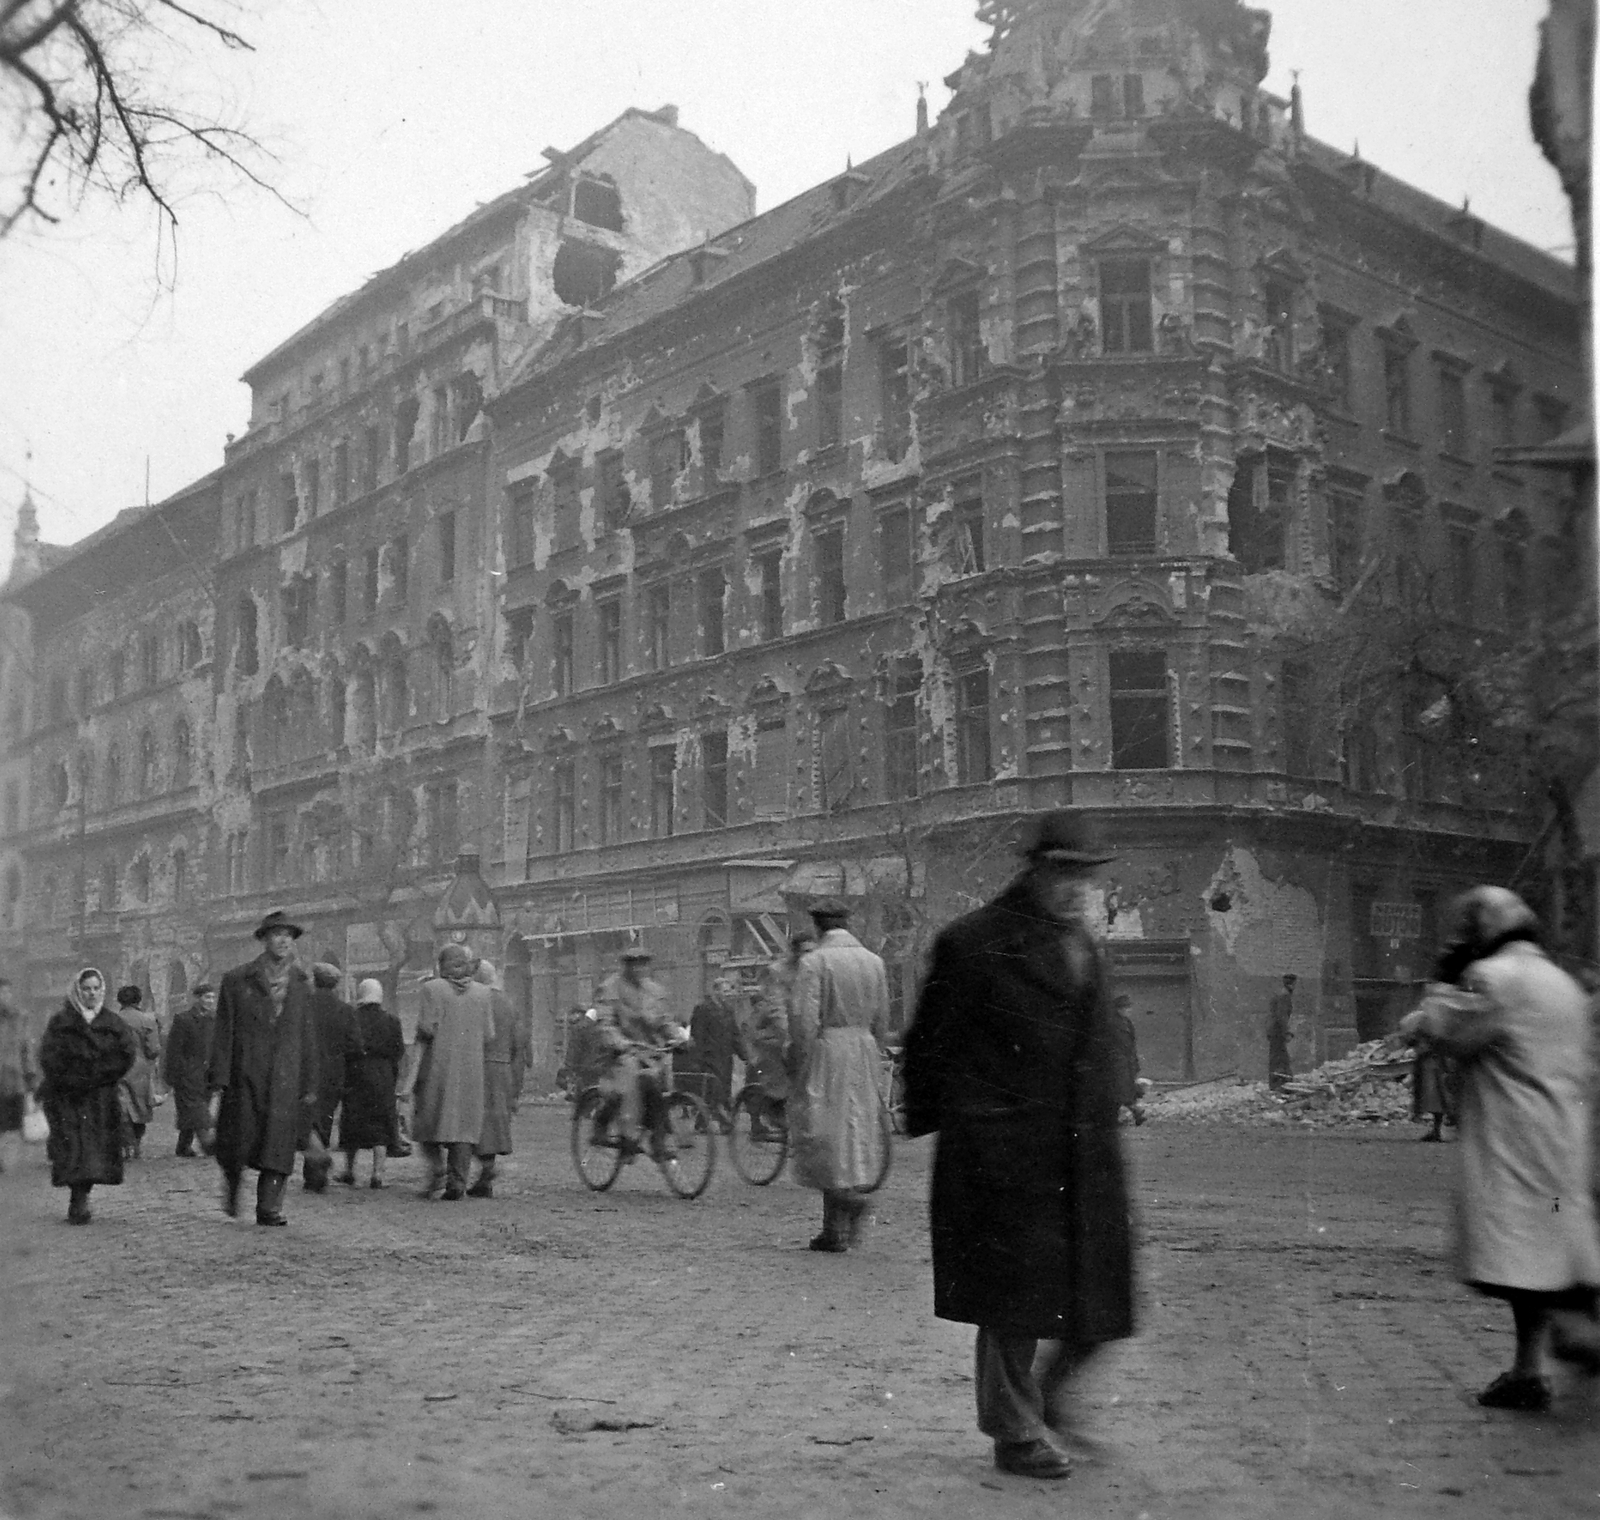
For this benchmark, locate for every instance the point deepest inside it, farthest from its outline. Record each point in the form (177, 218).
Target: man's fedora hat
(277, 919)
(637, 953)
(831, 908)
(1064, 837)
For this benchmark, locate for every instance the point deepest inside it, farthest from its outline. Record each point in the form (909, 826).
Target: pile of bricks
(1367, 1086)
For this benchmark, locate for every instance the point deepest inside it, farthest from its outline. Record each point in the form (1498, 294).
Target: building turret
(26, 558)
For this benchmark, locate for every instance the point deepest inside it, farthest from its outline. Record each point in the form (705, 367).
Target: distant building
(1024, 465)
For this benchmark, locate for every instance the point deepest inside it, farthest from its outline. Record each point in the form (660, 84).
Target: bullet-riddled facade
(685, 570)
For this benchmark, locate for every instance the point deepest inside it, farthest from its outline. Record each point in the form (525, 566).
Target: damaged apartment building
(674, 566)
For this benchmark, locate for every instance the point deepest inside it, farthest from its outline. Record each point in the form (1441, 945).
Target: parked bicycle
(679, 1134)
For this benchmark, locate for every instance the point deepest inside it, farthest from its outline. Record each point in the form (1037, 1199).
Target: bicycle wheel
(885, 1149)
(596, 1145)
(759, 1139)
(693, 1136)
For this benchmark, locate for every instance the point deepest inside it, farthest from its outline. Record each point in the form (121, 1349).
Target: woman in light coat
(454, 1027)
(1517, 1026)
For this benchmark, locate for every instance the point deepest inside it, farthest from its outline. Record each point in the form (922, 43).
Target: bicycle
(758, 1138)
(600, 1150)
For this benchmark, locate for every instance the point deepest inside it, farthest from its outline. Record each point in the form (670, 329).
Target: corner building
(989, 477)
(623, 565)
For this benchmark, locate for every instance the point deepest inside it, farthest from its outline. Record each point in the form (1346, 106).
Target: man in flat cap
(637, 1032)
(264, 1063)
(184, 1062)
(838, 1020)
(1013, 1059)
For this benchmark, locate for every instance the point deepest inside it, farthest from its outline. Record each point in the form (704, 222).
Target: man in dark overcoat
(334, 1022)
(264, 1063)
(186, 1058)
(1013, 1058)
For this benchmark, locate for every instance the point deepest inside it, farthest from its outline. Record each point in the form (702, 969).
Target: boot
(230, 1193)
(484, 1186)
(78, 1203)
(269, 1197)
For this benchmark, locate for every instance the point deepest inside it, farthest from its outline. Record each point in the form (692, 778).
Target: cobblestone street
(1304, 1350)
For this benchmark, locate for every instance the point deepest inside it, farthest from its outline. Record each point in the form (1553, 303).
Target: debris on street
(1367, 1086)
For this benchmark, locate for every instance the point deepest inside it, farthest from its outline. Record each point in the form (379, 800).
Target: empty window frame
(149, 660)
(608, 619)
(1260, 504)
(562, 650)
(894, 394)
(714, 778)
(1336, 359)
(565, 504)
(713, 600)
(666, 465)
(964, 330)
(828, 545)
(369, 581)
(288, 502)
(1278, 298)
(836, 760)
(1131, 503)
(663, 791)
(766, 405)
(405, 424)
(400, 567)
(1297, 718)
(446, 529)
(1344, 540)
(770, 791)
(563, 806)
(1125, 322)
(521, 513)
(896, 554)
(1140, 710)
(830, 378)
(341, 472)
(900, 767)
(371, 457)
(612, 487)
(658, 625)
(769, 572)
(712, 422)
(971, 549)
(1397, 389)
(611, 815)
(313, 480)
(974, 762)
(1454, 437)
(1503, 409)
(1514, 584)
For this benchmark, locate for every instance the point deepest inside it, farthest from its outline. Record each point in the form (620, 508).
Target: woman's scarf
(75, 994)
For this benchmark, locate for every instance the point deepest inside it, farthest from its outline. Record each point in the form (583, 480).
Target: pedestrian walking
(714, 1041)
(1432, 1088)
(85, 1052)
(767, 1038)
(838, 1020)
(334, 1022)
(264, 1063)
(138, 1091)
(1013, 1059)
(1132, 1087)
(1518, 1028)
(1280, 1013)
(367, 1115)
(184, 1064)
(454, 1027)
(19, 1076)
(505, 1063)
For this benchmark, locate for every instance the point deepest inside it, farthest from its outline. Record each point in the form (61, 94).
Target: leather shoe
(453, 1194)
(481, 1190)
(830, 1243)
(270, 1218)
(1525, 1392)
(1032, 1459)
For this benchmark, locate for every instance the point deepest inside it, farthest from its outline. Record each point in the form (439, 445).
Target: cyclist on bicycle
(636, 1035)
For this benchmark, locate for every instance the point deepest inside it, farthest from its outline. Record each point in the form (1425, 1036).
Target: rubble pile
(1367, 1086)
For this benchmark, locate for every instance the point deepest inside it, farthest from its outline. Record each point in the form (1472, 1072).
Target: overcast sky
(391, 119)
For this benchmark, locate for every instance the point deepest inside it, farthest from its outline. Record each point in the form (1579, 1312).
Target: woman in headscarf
(84, 1054)
(505, 1059)
(454, 1027)
(1517, 1026)
(367, 1119)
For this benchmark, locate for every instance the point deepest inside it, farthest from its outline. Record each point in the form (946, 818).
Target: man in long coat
(264, 1063)
(1518, 1026)
(505, 1063)
(714, 1041)
(454, 1028)
(334, 1022)
(1013, 1058)
(838, 1018)
(185, 1059)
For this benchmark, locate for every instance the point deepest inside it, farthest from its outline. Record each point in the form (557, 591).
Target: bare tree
(85, 86)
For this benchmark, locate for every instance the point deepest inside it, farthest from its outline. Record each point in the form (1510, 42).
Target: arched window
(274, 720)
(444, 671)
(337, 701)
(108, 885)
(247, 656)
(366, 707)
(182, 754)
(190, 651)
(180, 881)
(147, 763)
(395, 690)
(113, 777)
(241, 738)
(303, 713)
(141, 879)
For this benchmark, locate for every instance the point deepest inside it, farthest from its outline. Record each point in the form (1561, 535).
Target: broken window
(1453, 434)
(369, 589)
(190, 649)
(313, 475)
(442, 801)
(1344, 541)
(613, 488)
(57, 705)
(609, 615)
(341, 472)
(439, 429)
(85, 686)
(371, 457)
(338, 699)
(247, 657)
(1131, 503)
(149, 660)
(714, 778)
(519, 634)
(771, 790)
(1397, 390)
(663, 786)
(1462, 580)
(658, 625)
(711, 420)
(238, 859)
(564, 486)
(830, 378)
(396, 692)
(1125, 325)
(610, 798)
(769, 567)
(466, 397)
(146, 773)
(522, 512)
(564, 809)
(561, 664)
(297, 612)
(713, 589)
(444, 673)
(897, 561)
(366, 704)
(965, 332)
(400, 567)
(894, 395)
(1133, 95)
(1407, 552)
(583, 273)
(666, 464)
(1336, 370)
(447, 547)
(900, 768)
(1140, 711)
(288, 502)
(836, 780)
(973, 761)
(1297, 717)
(969, 551)
(405, 424)
(1503, 400)
(108, 886)
(829, 546)
(767, 405)
(599, 203)
(113, 781)
(1103, 97)
(1259, 508)
(1278, 298)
